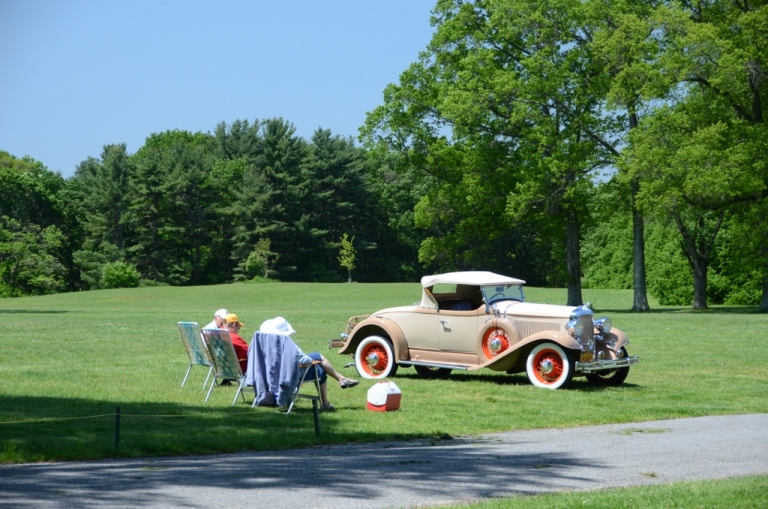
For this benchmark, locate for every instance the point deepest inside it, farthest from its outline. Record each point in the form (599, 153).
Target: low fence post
(117, 428)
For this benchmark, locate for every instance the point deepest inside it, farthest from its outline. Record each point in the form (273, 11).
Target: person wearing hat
(241, 347)
(219, 320)
(281, 327)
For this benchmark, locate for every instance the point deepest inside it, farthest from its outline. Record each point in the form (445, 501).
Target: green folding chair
(196, 349)
(225, 363)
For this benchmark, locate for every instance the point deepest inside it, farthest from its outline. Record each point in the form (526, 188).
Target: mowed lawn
(67, 361)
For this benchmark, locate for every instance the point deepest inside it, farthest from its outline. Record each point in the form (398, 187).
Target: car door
(419, 328)
(457, 331)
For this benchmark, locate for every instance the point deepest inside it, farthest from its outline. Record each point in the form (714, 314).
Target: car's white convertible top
(475, 277)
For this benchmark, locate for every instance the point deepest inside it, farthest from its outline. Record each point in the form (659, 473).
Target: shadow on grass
(431, 469)
(33, 311)
(49, 429)
(463, 376)
(517, 379)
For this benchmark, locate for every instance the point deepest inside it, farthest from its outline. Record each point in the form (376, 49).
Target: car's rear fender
(376, 326)
(515, 356)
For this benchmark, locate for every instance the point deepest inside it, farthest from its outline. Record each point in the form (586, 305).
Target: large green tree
(170, 216)
(29, 264)
(703, 153)
(337, 202)
(38, 215)
(625, 41)
(99, 189)
(281, 163)
(505, 110)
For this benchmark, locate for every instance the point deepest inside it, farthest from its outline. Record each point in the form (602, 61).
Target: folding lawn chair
(304, 371)
(193, 344)
(225, 363)
(267, 372)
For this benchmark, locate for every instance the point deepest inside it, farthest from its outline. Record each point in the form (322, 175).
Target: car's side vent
(528, 327)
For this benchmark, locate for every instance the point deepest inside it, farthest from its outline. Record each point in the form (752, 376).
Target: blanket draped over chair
(272, 368)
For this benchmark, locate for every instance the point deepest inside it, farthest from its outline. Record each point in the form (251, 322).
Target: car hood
(529, 309)
(509, 308)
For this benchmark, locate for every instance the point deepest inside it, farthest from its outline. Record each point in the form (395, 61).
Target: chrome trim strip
(606, 364)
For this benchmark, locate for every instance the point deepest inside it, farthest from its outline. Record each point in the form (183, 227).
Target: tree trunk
(638, 256)
(573, 261)
(699, 266)
(697, 245)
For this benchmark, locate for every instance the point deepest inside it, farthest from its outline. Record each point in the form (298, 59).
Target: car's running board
(431, 364)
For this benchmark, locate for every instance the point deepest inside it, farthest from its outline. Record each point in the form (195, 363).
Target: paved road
(406, 474)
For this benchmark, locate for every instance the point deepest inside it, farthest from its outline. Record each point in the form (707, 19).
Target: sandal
(346, 384)
(329, 408)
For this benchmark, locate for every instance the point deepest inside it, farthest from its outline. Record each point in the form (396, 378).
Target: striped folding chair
(225, 363)
(198, 353)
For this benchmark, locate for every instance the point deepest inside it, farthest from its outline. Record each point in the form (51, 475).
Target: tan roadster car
(474, 320)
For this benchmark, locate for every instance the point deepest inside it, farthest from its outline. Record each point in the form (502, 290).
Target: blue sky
(76, 75)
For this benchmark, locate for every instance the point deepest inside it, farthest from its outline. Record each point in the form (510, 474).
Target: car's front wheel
(432, 372)
(375, 358)
(615, 377)
(549, 366)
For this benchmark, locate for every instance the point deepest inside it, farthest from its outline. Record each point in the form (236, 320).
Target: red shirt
(241, 349)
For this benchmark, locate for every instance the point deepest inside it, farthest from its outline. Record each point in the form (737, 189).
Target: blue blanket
(272, 368)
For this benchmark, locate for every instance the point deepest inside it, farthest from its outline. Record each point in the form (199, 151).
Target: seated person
(241, 347)
(219, 320)
(281, 327)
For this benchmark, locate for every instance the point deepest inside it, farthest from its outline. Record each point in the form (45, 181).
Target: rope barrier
(57, 419)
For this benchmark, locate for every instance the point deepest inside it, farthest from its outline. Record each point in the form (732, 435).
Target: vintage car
(474, 320)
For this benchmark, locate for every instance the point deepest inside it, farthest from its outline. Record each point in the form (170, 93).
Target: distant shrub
(262, 279)
(151, 282)
(669, 276)
(746, 293)
(119, 275)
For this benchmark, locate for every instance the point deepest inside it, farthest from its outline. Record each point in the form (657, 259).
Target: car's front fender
(516, 355)
(376, 326)
(618, 336)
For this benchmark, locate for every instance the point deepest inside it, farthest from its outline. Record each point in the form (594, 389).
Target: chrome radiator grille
(589, 329)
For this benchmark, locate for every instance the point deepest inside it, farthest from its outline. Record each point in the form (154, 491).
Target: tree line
(574, 143)
(250, 200)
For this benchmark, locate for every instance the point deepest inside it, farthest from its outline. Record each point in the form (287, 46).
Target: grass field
(740, 493)
(68, 360)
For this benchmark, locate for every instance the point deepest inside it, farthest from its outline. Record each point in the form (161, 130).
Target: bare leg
(324, 394)
(326, 365)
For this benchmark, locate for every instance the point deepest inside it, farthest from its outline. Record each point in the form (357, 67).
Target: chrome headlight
(603, 324)
(575, 327)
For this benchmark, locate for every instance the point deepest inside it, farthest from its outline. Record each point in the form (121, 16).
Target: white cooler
(384, 396)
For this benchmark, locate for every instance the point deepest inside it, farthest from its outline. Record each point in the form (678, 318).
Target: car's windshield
(500, 292)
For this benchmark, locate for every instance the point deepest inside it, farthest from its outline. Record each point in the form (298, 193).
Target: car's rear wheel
(549, 366)
(432, 371)
(375, 358)
(614, 377)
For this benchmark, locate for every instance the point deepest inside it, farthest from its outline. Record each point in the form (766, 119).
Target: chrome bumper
(605, 364)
